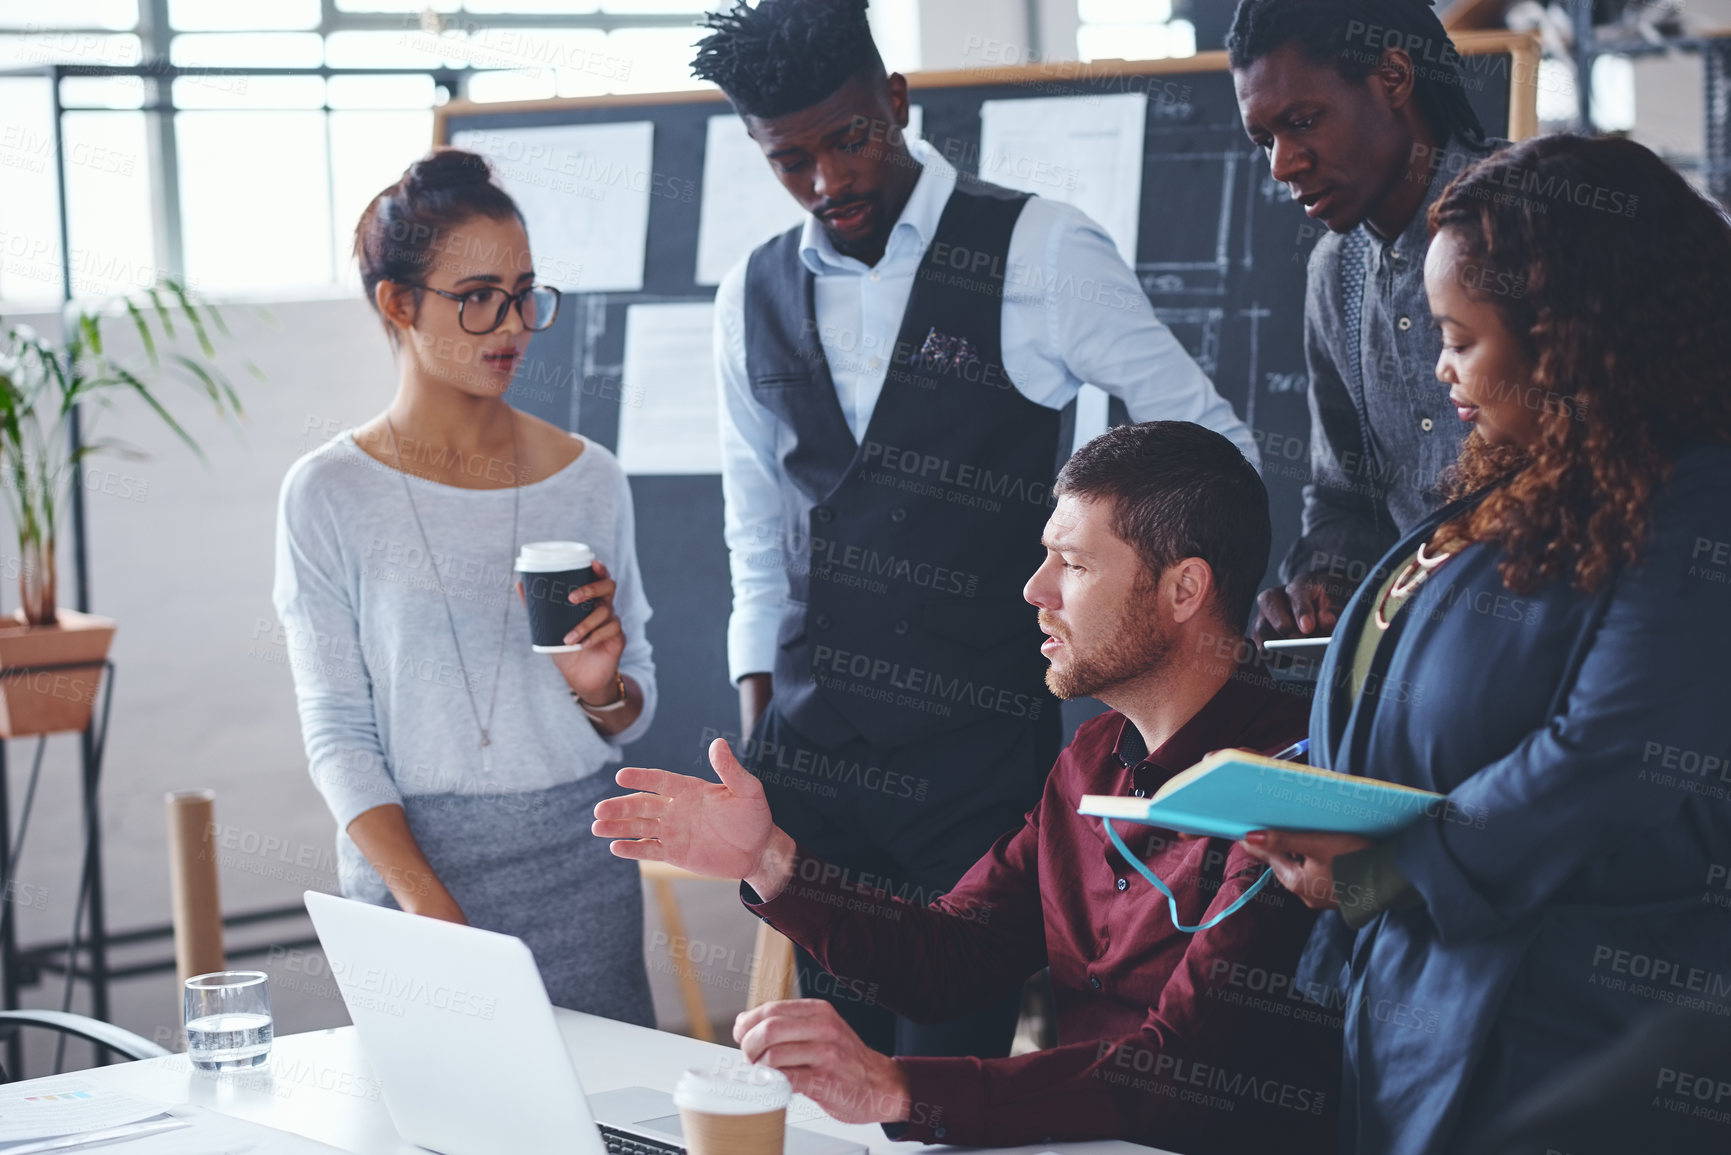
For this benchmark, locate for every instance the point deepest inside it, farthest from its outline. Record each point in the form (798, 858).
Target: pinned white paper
(669, 422)
(1083, 150)
(584, 190)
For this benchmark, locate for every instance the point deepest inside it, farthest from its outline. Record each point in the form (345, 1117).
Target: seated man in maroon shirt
(1197, 1042)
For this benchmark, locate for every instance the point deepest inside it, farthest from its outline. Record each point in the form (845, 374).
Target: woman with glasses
(460, 765)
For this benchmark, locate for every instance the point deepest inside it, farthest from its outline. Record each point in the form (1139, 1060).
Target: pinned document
(1083, 150)
(669, 422)
(584, 190)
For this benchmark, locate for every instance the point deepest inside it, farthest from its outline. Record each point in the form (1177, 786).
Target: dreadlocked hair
(1352, 35)
(785, 55)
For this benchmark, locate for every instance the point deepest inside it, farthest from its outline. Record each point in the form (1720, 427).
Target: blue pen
(1297, 750)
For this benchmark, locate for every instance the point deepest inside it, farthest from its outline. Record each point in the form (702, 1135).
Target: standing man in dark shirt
(1193, 1039)
(891, 374)
(1361, 107)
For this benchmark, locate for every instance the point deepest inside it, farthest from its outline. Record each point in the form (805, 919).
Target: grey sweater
(377, 677)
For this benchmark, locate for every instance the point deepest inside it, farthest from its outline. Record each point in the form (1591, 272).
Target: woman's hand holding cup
(570, 605)
(599, 640)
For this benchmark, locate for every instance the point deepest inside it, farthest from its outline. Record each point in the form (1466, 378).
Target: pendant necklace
(1407, 581)
(499, 662)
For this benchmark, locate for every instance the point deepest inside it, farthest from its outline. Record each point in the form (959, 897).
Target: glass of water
(228, 1023)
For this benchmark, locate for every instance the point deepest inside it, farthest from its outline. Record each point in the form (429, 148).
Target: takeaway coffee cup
(549, 571)
(733, 1109)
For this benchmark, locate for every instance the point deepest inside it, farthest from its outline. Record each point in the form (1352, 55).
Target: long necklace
(1407, 581)
(516, 502)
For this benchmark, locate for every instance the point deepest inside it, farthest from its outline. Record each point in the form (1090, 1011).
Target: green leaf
(144, 335)
(162, 313)
(192, 317)
(143, 391)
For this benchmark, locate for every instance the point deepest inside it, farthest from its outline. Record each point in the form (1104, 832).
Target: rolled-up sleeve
(1599, 784)
(1095, 325)
(333, 689)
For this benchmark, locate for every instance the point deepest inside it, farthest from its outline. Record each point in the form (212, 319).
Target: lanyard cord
(1171, 899)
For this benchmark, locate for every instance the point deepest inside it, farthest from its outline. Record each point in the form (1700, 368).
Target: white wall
(972, 33)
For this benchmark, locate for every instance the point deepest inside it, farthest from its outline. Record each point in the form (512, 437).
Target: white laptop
(462, 1038)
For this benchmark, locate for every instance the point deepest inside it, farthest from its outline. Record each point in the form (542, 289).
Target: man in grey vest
(891, 376)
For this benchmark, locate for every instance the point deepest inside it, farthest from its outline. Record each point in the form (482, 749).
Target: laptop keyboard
(625, 1143)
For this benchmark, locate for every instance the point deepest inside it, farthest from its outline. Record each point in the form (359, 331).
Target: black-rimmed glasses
(537, 305)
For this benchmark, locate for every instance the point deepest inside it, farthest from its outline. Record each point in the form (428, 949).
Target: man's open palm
(719, 830)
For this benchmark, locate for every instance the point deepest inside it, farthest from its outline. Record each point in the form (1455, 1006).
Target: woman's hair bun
(401, 231)
(445, 168)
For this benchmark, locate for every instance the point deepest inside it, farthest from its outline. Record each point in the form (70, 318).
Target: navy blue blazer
(1575, 878)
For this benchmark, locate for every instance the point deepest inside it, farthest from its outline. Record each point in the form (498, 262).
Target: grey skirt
(526, 865)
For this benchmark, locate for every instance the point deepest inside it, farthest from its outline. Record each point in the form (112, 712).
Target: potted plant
(42, 385)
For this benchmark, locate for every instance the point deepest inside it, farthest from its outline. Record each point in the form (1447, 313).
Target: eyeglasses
(537, 305)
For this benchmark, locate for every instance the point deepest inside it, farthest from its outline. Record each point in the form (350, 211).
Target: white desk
(320, 1085)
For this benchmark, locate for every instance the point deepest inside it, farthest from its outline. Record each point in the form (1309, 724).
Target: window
(1132, 30)
(329, 143)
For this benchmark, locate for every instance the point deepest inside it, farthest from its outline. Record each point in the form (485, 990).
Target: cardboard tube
(192, 881)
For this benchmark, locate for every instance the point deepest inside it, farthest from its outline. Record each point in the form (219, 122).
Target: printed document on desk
(69, 1114)
(211, 1133)
(63, 1114)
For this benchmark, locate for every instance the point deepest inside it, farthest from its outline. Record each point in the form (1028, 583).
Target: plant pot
(51, 701)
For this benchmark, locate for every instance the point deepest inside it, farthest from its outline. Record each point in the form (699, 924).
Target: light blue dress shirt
(1074, 313)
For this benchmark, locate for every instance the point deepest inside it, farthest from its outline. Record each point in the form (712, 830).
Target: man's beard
(1136, 646)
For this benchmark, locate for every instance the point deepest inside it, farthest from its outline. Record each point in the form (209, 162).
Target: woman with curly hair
(1548, 651)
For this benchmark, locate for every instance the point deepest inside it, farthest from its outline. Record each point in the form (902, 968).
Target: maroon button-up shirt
(1199, 1042)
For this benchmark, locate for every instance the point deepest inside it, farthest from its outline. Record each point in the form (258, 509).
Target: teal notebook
(1232, 792)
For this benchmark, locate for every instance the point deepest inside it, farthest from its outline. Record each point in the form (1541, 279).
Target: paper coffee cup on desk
(549, 571)
(733, 1109)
